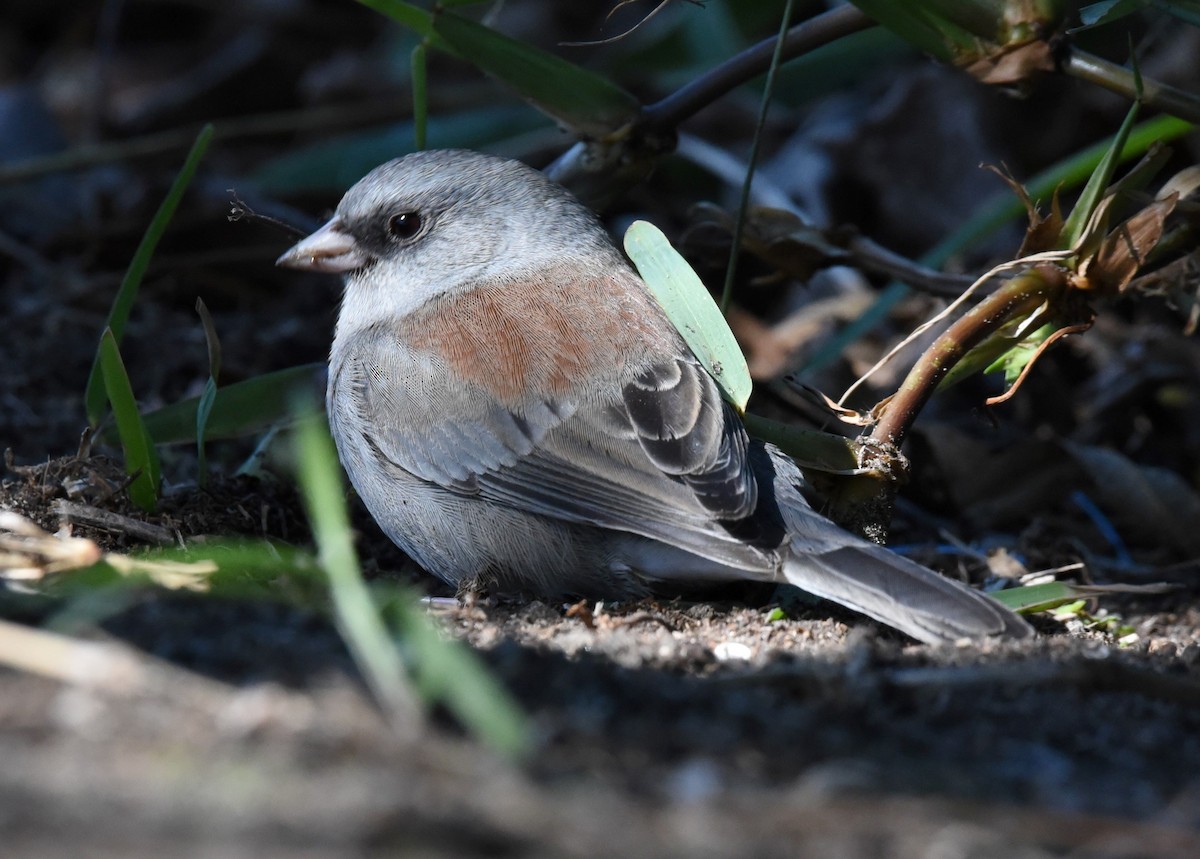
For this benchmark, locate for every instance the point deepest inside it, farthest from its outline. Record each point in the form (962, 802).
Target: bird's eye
(404, 225)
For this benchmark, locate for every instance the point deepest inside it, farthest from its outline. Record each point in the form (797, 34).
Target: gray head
(436, 221)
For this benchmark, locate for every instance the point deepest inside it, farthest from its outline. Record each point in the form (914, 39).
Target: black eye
(404, 225)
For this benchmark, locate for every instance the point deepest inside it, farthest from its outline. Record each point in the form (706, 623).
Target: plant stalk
(1018, 298)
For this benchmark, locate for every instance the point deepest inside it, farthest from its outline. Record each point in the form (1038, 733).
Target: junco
(517, 412)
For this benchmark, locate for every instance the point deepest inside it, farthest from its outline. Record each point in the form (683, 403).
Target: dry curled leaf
(1123, 251)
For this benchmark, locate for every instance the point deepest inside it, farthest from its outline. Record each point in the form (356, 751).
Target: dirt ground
(208, 727)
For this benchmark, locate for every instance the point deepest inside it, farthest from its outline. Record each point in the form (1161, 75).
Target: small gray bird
(517, 412)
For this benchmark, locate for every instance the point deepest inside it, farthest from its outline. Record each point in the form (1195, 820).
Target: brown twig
(804, 37)
(114, 522)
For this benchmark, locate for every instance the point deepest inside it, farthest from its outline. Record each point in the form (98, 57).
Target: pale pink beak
(330, 248)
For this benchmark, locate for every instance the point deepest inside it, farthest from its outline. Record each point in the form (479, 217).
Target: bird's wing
(662, 456)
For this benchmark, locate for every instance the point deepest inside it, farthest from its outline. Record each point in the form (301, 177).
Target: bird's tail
(901, 593)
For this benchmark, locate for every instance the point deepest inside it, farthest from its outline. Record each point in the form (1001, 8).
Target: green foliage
(1098, 182)
(996, 213)
(240, 409)
(691, 309)
(141, 459)
(118, 316)
(205, 406)
(446, 670)
(420, 97)
(587, 103)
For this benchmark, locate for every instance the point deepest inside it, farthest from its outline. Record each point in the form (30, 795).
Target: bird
(518, 413)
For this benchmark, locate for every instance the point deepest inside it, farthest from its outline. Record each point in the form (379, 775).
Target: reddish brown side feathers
(515, 337)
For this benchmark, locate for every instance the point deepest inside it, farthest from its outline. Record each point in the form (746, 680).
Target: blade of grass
(140, 456)
(354, 611)
(420, 95)
(205, 405)
(1099, 181)
(118, 316)
(446, 668)
(739, 223)
(447, 671)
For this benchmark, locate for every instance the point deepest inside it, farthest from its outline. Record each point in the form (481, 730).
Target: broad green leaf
(585, 102)
(691, 309)
(240, 409)
(140, 456)
(1013, 362)
(118, 316)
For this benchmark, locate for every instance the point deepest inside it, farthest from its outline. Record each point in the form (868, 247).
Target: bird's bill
(330, 249)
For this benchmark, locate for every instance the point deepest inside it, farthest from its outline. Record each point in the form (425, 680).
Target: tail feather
(902, 594)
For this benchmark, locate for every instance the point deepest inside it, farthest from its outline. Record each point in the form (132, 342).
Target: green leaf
(584, 102)
(1031, 599)
(240, 409)
(118, 316)
(1013, 362)
(1098, 183)
(691, 309)
(140, 456)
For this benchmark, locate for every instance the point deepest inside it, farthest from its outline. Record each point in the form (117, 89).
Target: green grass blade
(355, 612)
(1100, 179)
(583, 101)
(240, 409)
(447, 671)
(420, 95)
(140, 456)
(691, 309)
(204, 407)
(118, 316)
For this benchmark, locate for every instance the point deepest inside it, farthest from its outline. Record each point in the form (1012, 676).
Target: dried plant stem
(1019, 297)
